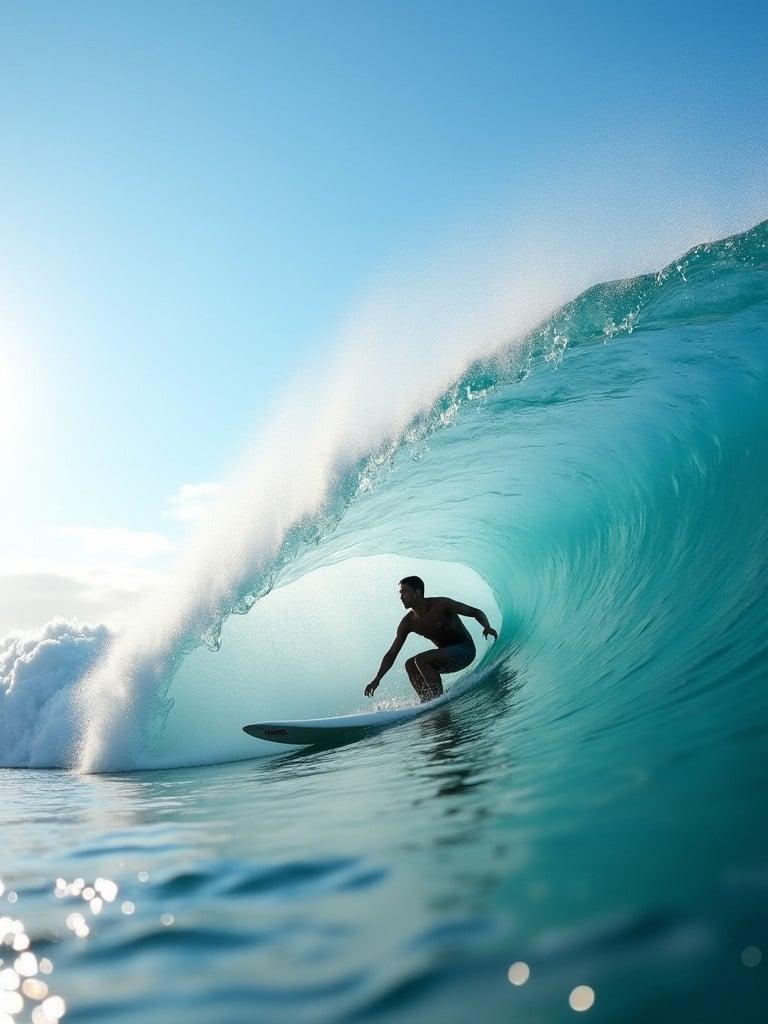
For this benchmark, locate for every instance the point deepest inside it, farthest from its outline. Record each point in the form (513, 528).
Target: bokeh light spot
(581, 998)
(751, 956)
(519, 973)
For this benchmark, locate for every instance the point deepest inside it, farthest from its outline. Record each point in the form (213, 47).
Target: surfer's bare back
(436, 618)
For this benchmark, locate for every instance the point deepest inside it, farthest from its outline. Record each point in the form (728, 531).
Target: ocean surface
(584, 831)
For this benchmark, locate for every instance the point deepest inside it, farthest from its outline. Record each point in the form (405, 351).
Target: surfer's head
(411, 590)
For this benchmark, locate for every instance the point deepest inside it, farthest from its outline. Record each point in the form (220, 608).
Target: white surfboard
(344, 728)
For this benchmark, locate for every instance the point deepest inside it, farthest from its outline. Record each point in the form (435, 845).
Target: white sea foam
(39, 670)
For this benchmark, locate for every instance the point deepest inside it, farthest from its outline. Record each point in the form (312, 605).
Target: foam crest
(39, 671)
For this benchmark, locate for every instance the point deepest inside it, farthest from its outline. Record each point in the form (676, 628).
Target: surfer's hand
(490, 632)
(369, 690)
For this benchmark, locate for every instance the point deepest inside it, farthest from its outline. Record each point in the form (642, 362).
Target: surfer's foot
(424, 691)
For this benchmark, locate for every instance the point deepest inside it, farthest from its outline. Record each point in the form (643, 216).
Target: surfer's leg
(430, 664)
(424, 676)
(423, 681)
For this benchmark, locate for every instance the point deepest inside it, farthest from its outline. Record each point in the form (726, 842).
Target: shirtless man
(436, 618)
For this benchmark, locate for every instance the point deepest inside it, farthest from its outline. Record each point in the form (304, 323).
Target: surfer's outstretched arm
(389, 658)
(473, 613)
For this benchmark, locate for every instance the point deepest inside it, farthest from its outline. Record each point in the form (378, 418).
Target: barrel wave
(600, 487)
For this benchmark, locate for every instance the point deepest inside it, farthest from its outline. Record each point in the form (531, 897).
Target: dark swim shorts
(460, 656)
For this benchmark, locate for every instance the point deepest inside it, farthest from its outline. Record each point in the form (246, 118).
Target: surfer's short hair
(414, 582)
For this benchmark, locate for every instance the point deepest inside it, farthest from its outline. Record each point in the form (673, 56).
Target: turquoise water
(595, 807)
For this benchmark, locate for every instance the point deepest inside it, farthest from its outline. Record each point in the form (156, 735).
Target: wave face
(601, 489)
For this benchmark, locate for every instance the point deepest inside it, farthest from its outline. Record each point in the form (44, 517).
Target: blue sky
(194, 195)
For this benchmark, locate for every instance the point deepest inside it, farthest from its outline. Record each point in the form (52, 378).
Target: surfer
(437, 619)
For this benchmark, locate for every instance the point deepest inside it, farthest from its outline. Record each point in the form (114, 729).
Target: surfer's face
(407, 595)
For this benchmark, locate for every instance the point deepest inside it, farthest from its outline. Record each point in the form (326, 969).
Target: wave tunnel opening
(306, 650)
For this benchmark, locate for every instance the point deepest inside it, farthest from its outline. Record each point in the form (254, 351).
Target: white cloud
(107, 593)
(192, 501)
(99, 574)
